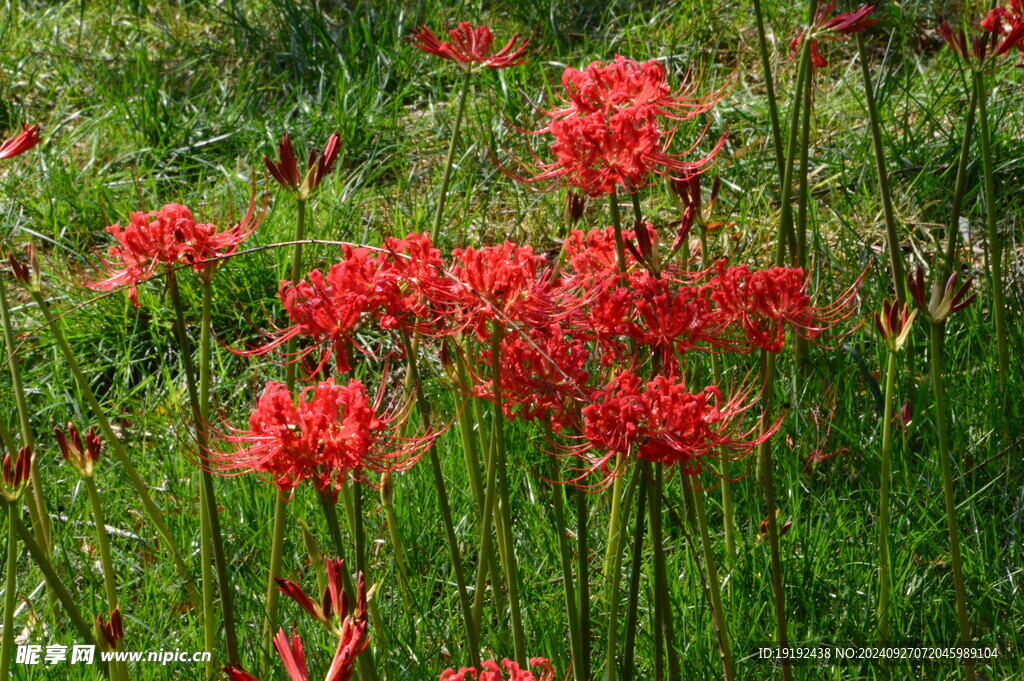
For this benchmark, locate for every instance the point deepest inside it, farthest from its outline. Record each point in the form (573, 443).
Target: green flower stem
(767, 481)
(945, 458)
(613, 559)
(114, 443)
(103, 542)
(506, 541)
(469, 443)
(450, 160)
(280, 504)
(35, 500)
(486, 543)
(620, 247)
(769, 83)
(633, 597)
(10, 591)
(953, 231)
(583, 578)
(787, 232)
(882, 170)
(568, 586)
(883, 502)
(211, 541)
(803, 198)
(329, 504)
(714, 588)
(662, 600)
(995, 244)
(454, 555)
(276, 559)
(387, 502)
(67, 601)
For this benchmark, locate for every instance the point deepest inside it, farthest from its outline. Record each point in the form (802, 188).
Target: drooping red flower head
(20, 143)
(334, 608)
(766, 302)
(661, 421)
(472, 47)
(610, 131)
(490, 671)
(166, 238)
(331, 433)
(826, 28)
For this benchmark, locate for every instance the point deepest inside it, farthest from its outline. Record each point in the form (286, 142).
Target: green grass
(150, 103)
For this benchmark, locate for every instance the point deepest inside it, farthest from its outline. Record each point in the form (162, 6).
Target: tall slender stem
(882, 170)
(714, 588)
(568, 587)
(613, 560)
(620, 247)
(945, 458)
(583, 578)
(280, 504)
(506, 537)
(454, 555)
(36, 500)
(662, 599)
(769, 84)
(995, 244)
(114, 443)
(767, 480)
(103, 542)
(329, 504)
(42, 561)
(387, 502)
(10, 591)
(804, 195)
(211, 541)
(883, 502)
(787, 233)
(450, 160)
(953, 230)
(633, 597)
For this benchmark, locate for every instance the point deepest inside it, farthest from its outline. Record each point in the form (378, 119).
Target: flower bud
(575, 205)
(894, 324)
(83, 458)
(110, 634)
(16, 473)
(28, 274)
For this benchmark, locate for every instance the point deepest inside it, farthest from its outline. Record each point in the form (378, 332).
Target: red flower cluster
(20, 143)
(825, 28)
(167, 238)
(332, 433)
(661, 421)
(609, 132)
(472, 47)
(492, 672)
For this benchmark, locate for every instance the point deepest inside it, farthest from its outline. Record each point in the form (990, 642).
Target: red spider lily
(543, 371)
(505, 283)
(334, 608)
(471, 47)
(20, 143)
(167, 238)
(333, 432)
(1001, 30)
(894, 324)
(492, 672)
(83, 458)
(765, 302)
(16, 473)
(286, 170)
(661, 421)
(825, 28)
(608, 133)
(383, 286)
(943, 302)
